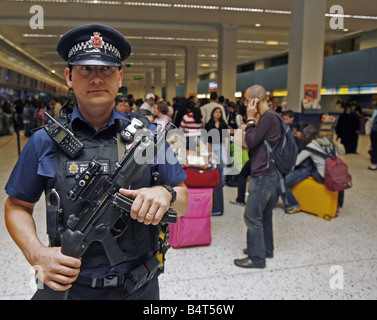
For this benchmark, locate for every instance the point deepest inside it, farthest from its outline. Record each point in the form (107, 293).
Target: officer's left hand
(150, 204)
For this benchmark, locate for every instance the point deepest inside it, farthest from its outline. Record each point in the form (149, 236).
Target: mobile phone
(253, 103)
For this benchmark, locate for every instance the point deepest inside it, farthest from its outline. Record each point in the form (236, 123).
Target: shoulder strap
(319, 153)
(330, 146)
(267, 144)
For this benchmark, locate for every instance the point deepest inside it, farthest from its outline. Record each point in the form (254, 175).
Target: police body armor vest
(137, 241)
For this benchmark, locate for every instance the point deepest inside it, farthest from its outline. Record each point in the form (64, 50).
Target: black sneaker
(247, 263)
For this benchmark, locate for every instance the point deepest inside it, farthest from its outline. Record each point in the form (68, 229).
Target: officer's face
(95, 85)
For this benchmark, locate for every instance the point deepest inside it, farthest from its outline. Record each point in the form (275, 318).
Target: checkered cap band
(87, 45)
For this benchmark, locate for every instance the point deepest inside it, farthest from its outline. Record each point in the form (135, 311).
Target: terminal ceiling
(161, 30)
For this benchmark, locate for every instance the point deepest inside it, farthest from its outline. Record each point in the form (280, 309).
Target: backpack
(284, 156)
(337, 176)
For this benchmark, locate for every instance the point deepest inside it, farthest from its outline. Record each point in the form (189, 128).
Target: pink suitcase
(194, 228)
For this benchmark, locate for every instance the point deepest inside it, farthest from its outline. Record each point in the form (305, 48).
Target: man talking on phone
(262, 124)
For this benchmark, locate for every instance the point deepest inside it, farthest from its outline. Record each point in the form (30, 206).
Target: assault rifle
(95, 223)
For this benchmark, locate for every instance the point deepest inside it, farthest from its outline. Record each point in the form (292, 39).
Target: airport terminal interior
(314, 57)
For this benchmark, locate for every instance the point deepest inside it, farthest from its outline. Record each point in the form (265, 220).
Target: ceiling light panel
(189, 6)
(147, 4)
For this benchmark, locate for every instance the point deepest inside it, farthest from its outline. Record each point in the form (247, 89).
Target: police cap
(94, 44)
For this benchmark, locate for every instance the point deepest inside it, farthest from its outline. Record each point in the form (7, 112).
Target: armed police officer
(94, 54)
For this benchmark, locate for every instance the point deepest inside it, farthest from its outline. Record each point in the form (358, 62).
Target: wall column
(157, 81)
(306, 46)
(191, 71)
(170, 80)
(148, 83)
(227, 61)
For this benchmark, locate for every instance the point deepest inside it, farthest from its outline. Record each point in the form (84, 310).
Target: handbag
(202, 177)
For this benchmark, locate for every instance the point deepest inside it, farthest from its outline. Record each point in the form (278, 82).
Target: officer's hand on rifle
(55, 269)
(150, 204)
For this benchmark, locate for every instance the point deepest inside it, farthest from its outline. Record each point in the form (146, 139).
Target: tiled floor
(313, 258)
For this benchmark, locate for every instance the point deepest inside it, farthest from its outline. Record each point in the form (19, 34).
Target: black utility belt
(109, 281)
(131, 281)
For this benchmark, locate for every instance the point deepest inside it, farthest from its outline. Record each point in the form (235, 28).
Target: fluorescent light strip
(147, 4)
(36, 35)
(160, 38)
(169, 38)
(191, 39)
(135, 37)
(250, 41)
(195, 6)
(96, 2)
(364, 17)
(171, 54)
(278, 11)
(207, 55)
(72, 1)
(351, 16)
(47, 1)
(242, 9)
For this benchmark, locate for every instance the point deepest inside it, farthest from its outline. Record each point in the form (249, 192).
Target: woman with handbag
(219, 146)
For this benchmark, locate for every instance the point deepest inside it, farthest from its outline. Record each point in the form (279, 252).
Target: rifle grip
(170, 216)
(73, 244)
(112, 249)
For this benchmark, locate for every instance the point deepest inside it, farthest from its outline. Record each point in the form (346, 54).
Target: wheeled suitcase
(325, 202)
(194, 228)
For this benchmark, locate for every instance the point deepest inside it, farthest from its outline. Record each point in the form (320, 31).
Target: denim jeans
(300, 173)
(290, 180)
(258, 217)
(373, 140)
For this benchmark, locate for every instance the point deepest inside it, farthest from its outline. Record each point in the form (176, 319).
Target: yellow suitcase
(315, 198)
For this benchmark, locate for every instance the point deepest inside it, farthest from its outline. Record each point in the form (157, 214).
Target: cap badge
(94, 44)
(96, 40)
